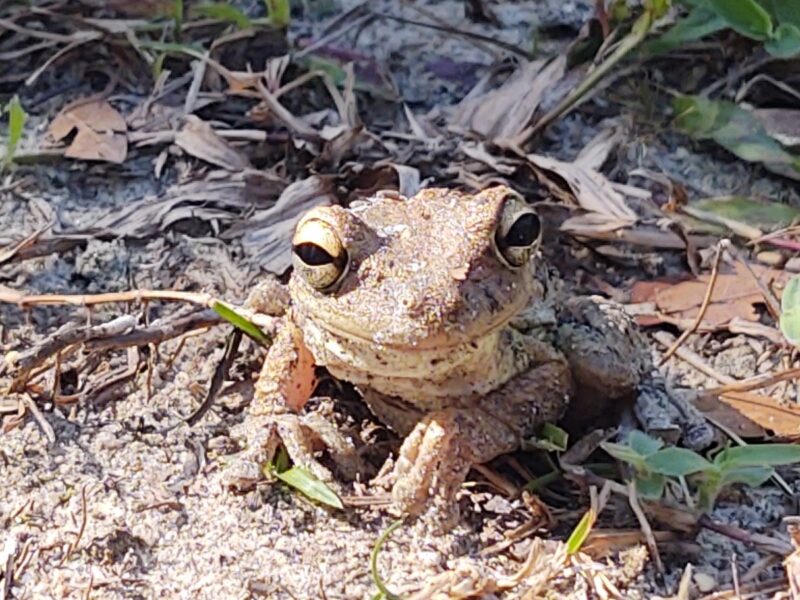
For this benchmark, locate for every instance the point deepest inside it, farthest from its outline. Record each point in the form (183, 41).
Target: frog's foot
(303, 436)
(435, 458)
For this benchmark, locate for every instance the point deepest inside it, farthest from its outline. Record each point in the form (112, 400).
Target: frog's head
(440, 269)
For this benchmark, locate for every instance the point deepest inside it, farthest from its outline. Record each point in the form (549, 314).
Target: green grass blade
(373, 563)
(238, 321)
(761, 455)
(309, 486)
(16, 124)
(581, 532)
(279, 12)
(222, 11)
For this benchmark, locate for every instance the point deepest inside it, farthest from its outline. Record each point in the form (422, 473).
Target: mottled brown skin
(425, 323)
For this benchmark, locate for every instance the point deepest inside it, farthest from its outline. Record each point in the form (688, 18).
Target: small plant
(655, 465)
(16, 123)
(302, 480)
(776, 23)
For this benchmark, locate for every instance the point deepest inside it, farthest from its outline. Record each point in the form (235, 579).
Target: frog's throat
(345, 329)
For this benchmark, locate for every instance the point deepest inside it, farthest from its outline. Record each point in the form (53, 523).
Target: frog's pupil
(312, 255)
(524, 231)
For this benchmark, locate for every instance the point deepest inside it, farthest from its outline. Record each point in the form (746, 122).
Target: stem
(638, 33)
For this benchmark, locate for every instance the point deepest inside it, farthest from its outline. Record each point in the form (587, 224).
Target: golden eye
(318, 254)
(519, 232)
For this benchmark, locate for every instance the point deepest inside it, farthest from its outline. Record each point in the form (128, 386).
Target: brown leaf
(504, 112)
(100, 131)
(735, 294)
(719, 411)
(218, 197)
(591, 189)
(199, 139)
(768, 413)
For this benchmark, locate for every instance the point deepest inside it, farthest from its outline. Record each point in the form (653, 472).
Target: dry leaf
(199, 139)
(782, 419)
(729, 417)
(100, 131)
(267, 234)
(736, 294)
(504, 112)
(591, 189)
(218, 197)
(595, 153)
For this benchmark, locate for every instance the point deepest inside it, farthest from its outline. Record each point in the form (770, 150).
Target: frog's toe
(430, 468)
(262, 442)
(299, 441)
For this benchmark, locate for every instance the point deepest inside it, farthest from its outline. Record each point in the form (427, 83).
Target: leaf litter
(241, 153)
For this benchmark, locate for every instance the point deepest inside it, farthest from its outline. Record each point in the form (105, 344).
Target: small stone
(793, 264)
(705, 583)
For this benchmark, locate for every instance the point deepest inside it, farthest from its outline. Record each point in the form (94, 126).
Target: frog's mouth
(414, 340)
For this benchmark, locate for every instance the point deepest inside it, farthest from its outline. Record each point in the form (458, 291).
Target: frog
(442, 312)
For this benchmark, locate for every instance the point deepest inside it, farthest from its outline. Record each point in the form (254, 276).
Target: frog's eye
(318, 254)
(519, 232)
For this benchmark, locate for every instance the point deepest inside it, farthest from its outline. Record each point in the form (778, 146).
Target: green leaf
(761, 214)
(581, 532)
(733, 128)
(790, 311)
(279, 12)
(783, 11)
(785, 42)
(177, 16)
(16, 124)
(752, 476)
(650, 486)
(745, 16)
(625, 454)
(551, 439)
(222, 11)
(677, 462)
(642, 443)
(310, 486)
(373, 562)
(240, 322)
(698, 24)
(760, 455)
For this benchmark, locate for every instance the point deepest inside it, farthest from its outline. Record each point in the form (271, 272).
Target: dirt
(127, 501)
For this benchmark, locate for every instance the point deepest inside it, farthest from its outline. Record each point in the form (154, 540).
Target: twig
(647, 531)
(47, 429)
(158, 332)
(638, 33)
(23, 300)
(767, 543)
(220, 373)
(461, 33)
(754, 383)
(282, 113)
(9, 253)
(703, 307)
(84, 518)
(694, 359)
(8, 576)
(68, 335)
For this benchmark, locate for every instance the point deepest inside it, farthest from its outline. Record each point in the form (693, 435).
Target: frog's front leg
(435, 458)
(285, 384)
